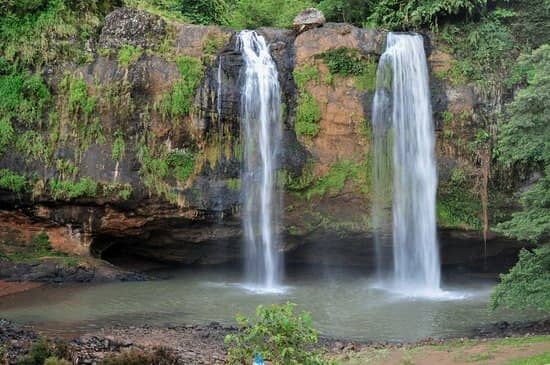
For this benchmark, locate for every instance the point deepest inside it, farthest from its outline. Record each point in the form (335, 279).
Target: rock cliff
(142, 146)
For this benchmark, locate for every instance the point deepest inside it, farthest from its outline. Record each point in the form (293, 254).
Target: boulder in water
(308, 19)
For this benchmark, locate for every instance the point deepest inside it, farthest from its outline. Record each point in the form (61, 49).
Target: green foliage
(119, 146)
(205, 11)
(126, 192)
(234, 184)
(308, 115)
(278, 334)
(533, 222)
(178, 102)
(343, 61)
(349, 62)
(159, 356)
(33, 145)
(24, 99)
(305, 74)
(66, 189)
(252, 14)
(527, 284)
(56, 361)
(128, 55)
(181, 163)
(214, 44)
(308, 111)
(79, 101)
(46, 351)
(334, 181)
(485, 50)
(12, 181)
(347, 11)
(540, 359)
(458, 207)
(154, 171)
(78, 114)
(33, 33)
(403, 15)
(168, 9)
(524, 141)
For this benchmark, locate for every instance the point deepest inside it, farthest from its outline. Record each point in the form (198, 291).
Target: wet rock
(56, 271)
(308, 19)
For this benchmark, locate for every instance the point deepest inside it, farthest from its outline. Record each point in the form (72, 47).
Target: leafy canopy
(524, 141)
(528, 282)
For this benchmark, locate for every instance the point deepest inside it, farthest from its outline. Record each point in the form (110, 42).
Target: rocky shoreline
(203, 344)
(55, 270)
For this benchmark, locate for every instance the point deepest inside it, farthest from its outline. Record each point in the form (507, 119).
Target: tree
(524, 143)
(205, 11)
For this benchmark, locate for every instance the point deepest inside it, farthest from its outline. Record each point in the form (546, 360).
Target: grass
(178, 102)
(234, 184)
(308, 111)
(349, 62)
(540, 359)
(66, 189)
(128, 55)
(119, 146)
(181, 163)
(38, 248)
(308, 115)
(56, 31)
(12, 181)
(503, 351)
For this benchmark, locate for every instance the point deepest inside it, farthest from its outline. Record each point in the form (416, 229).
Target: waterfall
(219, 98)
(261, 134)
(402, 123)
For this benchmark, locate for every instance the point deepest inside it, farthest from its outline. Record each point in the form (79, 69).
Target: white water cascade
(402, 123)
(261, 134)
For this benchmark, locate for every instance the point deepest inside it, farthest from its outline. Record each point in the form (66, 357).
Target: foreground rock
(203, 344)
(53, 270)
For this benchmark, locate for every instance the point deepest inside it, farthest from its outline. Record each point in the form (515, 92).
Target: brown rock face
(337, 35)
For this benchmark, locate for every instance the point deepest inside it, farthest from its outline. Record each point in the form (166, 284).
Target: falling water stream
(261, 133)
(402, 120)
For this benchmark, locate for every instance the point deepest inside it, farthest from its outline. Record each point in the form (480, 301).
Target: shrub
(308, 112)
(119, 147)
(62, 189)
(205, 11)
(308, 115)
(527, 284)
(252, 14)
(128, 55)
(278, 334)
(159, 356)
(12, 181)
(178, 102)
(56, 361)
(46, 351)
(182, 163)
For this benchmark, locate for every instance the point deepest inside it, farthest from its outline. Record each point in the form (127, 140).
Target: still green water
(343, 304)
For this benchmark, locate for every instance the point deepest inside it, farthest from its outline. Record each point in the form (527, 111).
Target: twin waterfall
(405, 178)
(261, 135)
(402, 123)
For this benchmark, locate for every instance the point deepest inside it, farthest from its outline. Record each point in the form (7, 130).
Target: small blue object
(258, 360)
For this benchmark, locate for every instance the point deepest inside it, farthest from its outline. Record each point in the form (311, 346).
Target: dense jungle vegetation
(502, 47)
